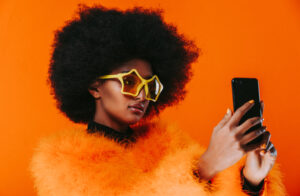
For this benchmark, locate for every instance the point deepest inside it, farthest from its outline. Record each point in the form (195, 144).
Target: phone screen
(243, 90)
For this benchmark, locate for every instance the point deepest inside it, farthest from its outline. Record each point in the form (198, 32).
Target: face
(114, 107)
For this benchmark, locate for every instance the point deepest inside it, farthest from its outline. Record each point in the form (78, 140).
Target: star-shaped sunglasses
(132, 83)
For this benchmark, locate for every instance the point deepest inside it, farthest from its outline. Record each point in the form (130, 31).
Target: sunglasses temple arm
(110, 76)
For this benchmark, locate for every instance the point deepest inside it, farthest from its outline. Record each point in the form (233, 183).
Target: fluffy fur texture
(76, 163)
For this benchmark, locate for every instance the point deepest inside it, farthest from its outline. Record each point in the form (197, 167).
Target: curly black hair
(99, 40)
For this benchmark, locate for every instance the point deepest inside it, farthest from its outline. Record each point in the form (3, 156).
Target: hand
(228, 143)
(260, 161)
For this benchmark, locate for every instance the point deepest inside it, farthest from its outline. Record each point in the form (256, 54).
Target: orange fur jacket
(160, 162)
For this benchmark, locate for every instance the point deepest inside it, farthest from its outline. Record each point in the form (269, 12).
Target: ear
(94, 89)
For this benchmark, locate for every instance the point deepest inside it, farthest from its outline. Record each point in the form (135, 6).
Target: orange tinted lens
(131, 83)
(153, 87)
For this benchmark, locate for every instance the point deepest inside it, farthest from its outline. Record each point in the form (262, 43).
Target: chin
(134, 119)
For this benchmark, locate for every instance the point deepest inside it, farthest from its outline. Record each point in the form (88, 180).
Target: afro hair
(98, 40)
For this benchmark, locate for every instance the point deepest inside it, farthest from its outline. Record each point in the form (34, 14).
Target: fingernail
(251, 101)
(261, 120)
(228, 111)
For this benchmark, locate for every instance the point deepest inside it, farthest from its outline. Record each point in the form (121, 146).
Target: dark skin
(228, 145)
(113, 107)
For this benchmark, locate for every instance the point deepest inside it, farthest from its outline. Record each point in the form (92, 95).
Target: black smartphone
(243, 90)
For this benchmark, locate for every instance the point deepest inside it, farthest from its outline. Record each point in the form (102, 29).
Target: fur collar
(74, 155)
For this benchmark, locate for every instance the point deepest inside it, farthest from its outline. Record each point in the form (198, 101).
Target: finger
(252, 135)
(265, 148)
(256, 143)
(262, 105)
(248, 124)
(273, 152)
(267, 139)
(268, 158)
(269, 146)
(239, 113)
(224, 120)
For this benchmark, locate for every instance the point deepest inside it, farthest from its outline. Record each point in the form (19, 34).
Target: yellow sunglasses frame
(139, 87)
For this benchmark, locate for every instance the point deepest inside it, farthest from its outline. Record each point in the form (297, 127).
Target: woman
(115, 71)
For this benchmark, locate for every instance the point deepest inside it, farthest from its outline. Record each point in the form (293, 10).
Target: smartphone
(243, 90)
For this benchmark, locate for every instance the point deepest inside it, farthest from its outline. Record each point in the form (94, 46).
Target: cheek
(116, 104)
(113, 99)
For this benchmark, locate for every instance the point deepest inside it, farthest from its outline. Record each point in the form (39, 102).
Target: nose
(142, 94)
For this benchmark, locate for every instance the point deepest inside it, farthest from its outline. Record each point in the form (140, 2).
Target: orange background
(238, 38)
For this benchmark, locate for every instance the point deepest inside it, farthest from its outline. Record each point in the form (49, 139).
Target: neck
(112, 125)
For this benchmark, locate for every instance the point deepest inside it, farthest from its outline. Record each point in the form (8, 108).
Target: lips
(138, 106)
